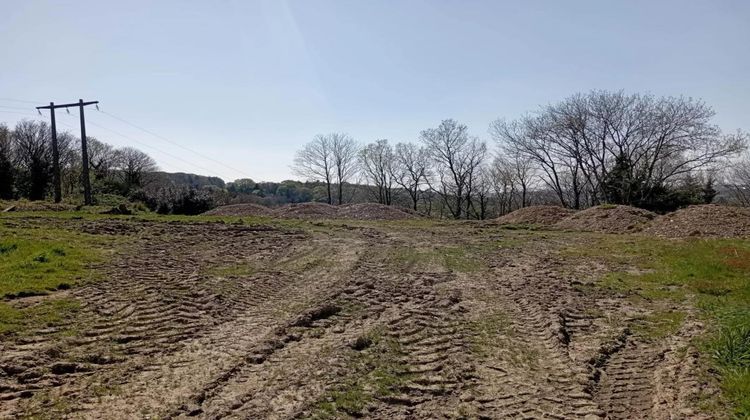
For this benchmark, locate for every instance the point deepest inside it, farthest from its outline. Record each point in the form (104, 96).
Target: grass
(380, 374)
(38, 261)
(457, 259)
(712, 274)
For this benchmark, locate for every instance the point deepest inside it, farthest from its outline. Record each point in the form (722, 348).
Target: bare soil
(536, 215)
(608, 219)
(705, 220)
(361, 211)
(244, 209)
(379, 320)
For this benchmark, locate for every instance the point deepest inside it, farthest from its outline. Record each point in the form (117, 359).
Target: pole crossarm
(67, 105)
(84, 150)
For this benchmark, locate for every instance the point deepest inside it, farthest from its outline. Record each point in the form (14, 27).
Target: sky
(233, 88)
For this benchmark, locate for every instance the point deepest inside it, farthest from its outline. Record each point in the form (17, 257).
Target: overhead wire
(138, 127)
(74, 114)
(173, 142)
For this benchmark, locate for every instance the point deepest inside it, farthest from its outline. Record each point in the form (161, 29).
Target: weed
(7, 248)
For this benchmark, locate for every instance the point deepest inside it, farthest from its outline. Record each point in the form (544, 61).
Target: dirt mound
(608, 219)
(372, 211)
(245, 209)
(306, 211)
(702, 220)
(23, 205)
(536, 215)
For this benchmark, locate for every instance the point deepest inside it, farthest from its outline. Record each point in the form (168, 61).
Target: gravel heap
(23, 205)
(535, 215)
(372, 211)
(702, 220)
(244, 209)
(363, 211)
(306, 211)
(608, 219)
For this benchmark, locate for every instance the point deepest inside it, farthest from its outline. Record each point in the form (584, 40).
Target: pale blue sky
(248, 82)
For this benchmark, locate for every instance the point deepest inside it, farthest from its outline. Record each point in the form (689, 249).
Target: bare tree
(70, 162)
(344, 151)
(102, 158)
(132, 166)
(503, 179)
(316, 162)
(33, 158)
(376, 160)
(410, 169)
(577, 142)
(474, 178)
(456, 157)
(739, 182)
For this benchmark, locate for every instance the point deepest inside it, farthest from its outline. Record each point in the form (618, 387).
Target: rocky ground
(404, 320)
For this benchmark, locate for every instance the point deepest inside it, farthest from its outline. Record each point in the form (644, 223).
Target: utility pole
(55, 157)
(84, 150)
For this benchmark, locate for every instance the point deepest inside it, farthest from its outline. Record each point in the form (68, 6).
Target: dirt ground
(398, 320)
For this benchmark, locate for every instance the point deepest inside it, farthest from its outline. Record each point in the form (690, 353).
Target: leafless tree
(503, 180)
(33, 158)
(456, 157)
(410, 169)
(70, 162)
(481, 192)
(133, 165)
(315, 162)
(739, 182)
(102, 158)
(376, 160)
(344, 151)
(575, 143)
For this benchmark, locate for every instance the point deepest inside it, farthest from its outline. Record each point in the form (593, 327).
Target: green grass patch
(36, 261)
(458, 259)
(47, 313)
(379, 374)
(712, 273)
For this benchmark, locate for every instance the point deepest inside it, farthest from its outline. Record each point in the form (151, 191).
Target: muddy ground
(337, 320)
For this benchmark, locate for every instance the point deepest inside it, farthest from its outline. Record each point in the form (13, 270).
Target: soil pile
(244, 209)
(23, 205)
(608, 219)
(372, 211)
(536, 215)
(702, 220)
(306, 211)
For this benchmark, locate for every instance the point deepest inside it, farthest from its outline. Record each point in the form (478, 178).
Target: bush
(177, 200)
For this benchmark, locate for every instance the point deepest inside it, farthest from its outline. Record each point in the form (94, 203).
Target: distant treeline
(658, 153)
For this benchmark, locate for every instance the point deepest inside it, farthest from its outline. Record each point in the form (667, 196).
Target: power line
(139, 142)
(21, 101)
(175, 143)
(73, 114)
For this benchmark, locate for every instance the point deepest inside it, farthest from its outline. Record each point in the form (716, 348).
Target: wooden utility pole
(84, 150)
(55, 157)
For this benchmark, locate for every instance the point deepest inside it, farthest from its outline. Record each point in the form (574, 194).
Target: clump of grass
(380, 374)
(731, 349)
(7, 248)
(45, 314)
(731, 352)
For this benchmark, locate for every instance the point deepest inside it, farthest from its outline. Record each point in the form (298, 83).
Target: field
(160, 317)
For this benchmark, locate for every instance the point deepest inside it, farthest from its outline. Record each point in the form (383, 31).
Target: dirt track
(219, 320)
